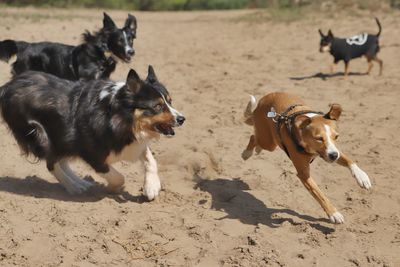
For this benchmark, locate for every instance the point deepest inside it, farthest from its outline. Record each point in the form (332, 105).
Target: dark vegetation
(158, 5)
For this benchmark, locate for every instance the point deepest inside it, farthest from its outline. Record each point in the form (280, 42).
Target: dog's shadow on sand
(325, 76)
(36, 187)
(232, 197)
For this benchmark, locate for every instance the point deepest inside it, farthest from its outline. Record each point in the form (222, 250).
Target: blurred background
(162, 5)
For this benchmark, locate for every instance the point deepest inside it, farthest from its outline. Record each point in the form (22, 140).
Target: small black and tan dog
(348, 48)
(100, 122)
(86, 61)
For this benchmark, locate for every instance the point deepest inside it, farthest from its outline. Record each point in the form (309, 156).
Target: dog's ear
(151, 75)
(330, 34)
(108, 23)
(334, 113)
(320, 33)
(131, 23)
(300, 123)
(133, 81)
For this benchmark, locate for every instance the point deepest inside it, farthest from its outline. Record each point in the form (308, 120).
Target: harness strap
(288, 121)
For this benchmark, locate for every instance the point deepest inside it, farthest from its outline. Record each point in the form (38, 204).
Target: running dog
(87, 61)
(357, 46)
(284, 120)
(100, 122)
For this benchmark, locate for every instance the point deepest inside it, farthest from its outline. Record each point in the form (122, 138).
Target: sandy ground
(215, 209)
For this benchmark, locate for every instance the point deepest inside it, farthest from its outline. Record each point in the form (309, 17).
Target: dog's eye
(158, 108)
(319, 138)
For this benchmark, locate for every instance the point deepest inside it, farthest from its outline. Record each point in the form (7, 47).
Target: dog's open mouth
(165, 129)
(127, 59)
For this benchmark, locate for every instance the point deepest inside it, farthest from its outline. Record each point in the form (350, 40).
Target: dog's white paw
(78, 187)
(246, 154)
(258, 150)
(152, 187)
(361, 177)
(337, 218)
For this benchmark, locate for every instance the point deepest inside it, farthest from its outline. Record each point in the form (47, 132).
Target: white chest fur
(130, 153)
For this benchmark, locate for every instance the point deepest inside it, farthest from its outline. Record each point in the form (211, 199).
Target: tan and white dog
(284, 120)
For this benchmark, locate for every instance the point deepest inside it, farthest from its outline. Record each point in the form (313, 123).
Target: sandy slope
(216, 209)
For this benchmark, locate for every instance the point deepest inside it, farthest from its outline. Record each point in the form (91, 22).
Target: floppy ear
(320, 33)
(131, 23)
(330, 34)
(300, 123)
(334, 113)
(151, 75)
(108, 22)
(133, 81)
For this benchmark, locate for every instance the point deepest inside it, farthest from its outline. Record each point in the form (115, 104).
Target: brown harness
(287, 120)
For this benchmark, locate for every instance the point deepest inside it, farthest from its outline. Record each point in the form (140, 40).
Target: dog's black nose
(180, 120)
(333, 155)
(131, 52)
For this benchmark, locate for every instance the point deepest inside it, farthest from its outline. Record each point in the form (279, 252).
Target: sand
(215, 209)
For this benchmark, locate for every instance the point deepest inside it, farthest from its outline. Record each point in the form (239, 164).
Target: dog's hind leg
(248, 152)
(115, 180)
(71, 174)
(370, 65)
(70, 183)
(380, 64)
(152, 184)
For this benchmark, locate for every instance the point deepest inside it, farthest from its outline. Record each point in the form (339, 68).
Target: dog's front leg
(360, 176)
(152, 184)
(303, 172)
(346, 69)
(332, 67)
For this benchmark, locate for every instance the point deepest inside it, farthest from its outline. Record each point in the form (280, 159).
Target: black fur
(340, 49)
(85, 61)
(53, 118)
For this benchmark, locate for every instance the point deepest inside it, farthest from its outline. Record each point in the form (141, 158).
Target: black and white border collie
(87, 61)
(99, 121)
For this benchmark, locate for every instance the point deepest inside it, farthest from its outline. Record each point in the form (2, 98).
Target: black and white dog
(86, 61)
(99, 121)
(346, 49)
(112, 39)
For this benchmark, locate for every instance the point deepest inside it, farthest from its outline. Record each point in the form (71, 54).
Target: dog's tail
(248, 112)
(379, 26)
(9, 48)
